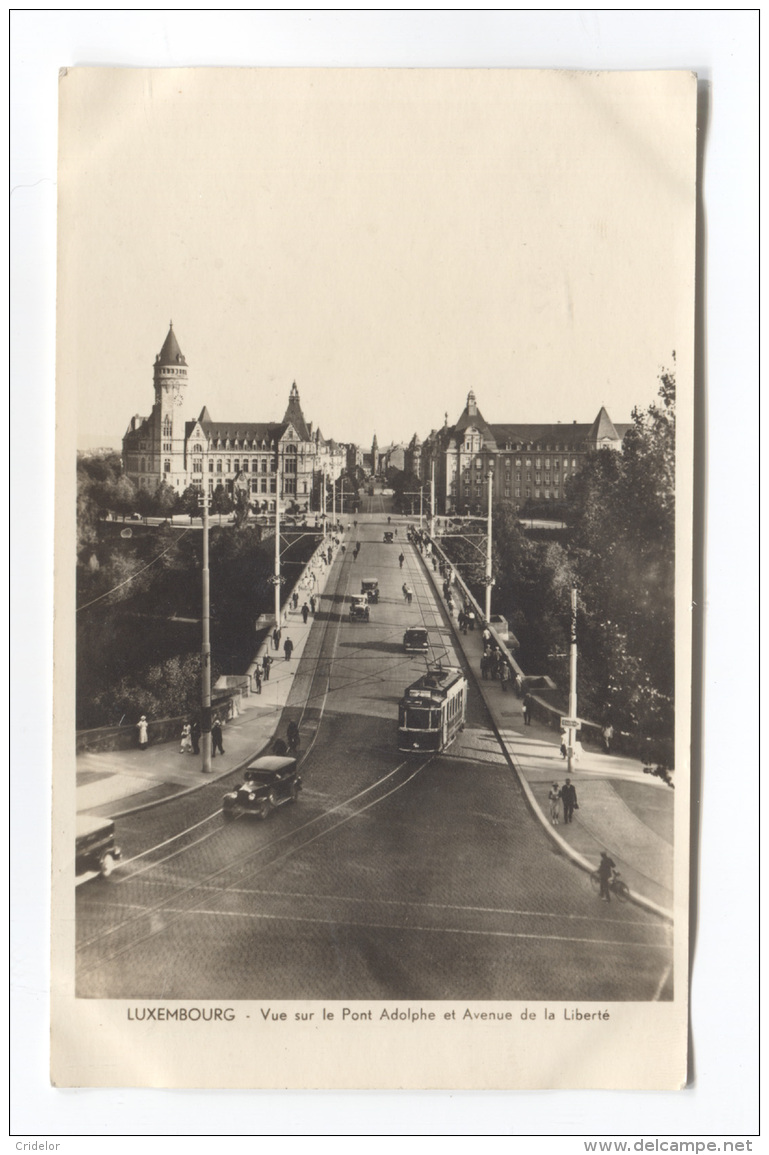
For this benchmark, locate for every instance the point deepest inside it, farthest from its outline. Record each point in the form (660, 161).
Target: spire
(294, 415)
(602, 430)
(170, 354)
(472, 408)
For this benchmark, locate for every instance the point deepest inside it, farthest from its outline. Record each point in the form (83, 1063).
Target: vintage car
(359, 611)
(415, 640)
(388, 537)
(95, 848)
(267, 783)
(369, 589)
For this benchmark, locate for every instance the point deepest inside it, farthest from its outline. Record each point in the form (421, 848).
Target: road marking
(412, 905)
(180, 912)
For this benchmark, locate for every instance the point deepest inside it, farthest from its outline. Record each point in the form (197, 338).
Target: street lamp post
(572, 732)
(276, 576)
(205, 648)
(489, 580)
(432, 497)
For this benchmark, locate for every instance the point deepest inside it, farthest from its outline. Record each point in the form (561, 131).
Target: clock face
(177, 399)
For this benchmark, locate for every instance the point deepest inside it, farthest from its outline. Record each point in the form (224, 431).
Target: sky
(388, 239)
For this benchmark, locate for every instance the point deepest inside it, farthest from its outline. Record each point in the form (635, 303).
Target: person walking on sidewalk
(216, 738)
(607, 733)
(401, 560)
(195, 736)
(312, 604)
(185, 746)
(554, 797)
(606, 868)
(257, 679)
(276, 638)
(266, 663)
(409, 594)
(569, 799)
(288, 646)
(292, 735)
(504, 673)
(141, 727)
(527, 709)
(305, 613)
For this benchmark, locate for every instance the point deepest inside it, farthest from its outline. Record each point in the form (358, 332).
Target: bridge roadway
(393, 877)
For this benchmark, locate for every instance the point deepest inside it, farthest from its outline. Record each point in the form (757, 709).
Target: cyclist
(606, 868)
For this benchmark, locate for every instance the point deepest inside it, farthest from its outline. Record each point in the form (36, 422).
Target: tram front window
(419, 719)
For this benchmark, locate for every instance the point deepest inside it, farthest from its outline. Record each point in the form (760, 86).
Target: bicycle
(617, 885)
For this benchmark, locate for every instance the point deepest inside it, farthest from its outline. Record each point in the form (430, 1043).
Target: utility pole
(489, 579)
(572, 732)
(276, 576)
(432, 497)
(205, 649)
(333, 499)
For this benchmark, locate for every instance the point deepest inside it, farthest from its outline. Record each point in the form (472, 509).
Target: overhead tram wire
(134, 575)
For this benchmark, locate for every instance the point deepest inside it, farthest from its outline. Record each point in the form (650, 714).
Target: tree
(221, 502)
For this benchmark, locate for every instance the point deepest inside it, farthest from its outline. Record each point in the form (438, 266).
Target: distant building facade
(263, 459)
(531, 462)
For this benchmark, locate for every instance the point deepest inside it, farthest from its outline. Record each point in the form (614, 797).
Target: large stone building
(261, 458)
(523, 462)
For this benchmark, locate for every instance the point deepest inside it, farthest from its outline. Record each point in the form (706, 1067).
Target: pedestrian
(527, 710)
(569, 799)
(288, 646)
(195, 736)
(484, 665)
(504, 673)
(266, 663)
(257, 679)
(486, 635)
(435, 562)
(608, 734)
(185, 745)
(401, 560)
(405, 588)
(292, 734)
(606, 868)
(409, 594)
(564, 750)
(305, 612)
(141, 726)
(471, 619)
(554, 797)
(295, 599)
(216, 738)
(312, 604)
(276, 638)
(450, 606)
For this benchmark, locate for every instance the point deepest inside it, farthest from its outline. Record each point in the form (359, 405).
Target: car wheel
(107, 865)
(264, 809)
(272, 799)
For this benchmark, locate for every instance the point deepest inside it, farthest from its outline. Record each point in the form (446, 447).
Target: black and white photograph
(374, 688)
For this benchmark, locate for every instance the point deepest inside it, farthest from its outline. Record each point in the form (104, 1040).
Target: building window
(528, 463)
(229, 465)
(143, 465)
(547, 479)
(547, 494)
(547, 463)
(237, 465)
(574, 463)
(507, 491)
(539, 463)
(273, 485)
(210, 467)
(197, 447)
(245, 465)
(528, 491)
(536, 493)
(167, 446)
(539, 479)
(264, 485)
(518, 476)
(167, 465)
(556, 462)
(197, 467)
(517, 491)
(254, 485)
(555, 494)
(254, 464)
(219, 465)
(477, 491)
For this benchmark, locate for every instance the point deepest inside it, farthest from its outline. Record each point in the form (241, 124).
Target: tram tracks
(147, 923)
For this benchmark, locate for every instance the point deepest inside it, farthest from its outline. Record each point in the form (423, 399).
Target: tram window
(418, 719)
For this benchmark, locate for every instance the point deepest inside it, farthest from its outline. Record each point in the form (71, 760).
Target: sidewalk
(621, 810)
(117, 782)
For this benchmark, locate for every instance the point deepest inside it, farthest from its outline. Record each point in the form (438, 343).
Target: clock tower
(168, 425)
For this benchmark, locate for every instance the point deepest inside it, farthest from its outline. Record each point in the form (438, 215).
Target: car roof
(374, 580)
(271, 762)
(417, 630)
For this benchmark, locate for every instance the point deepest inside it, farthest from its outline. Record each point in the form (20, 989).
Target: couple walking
(566, 796)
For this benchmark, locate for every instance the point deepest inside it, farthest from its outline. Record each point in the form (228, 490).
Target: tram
(432, 711)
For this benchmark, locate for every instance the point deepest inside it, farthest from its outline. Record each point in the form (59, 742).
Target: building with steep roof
(524, 462)
(263, 459)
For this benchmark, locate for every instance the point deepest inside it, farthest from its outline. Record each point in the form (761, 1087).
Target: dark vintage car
(369, 588)
(415, 640)
(267, 783)
(95, 848)
(388, 537)
(359, 611)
